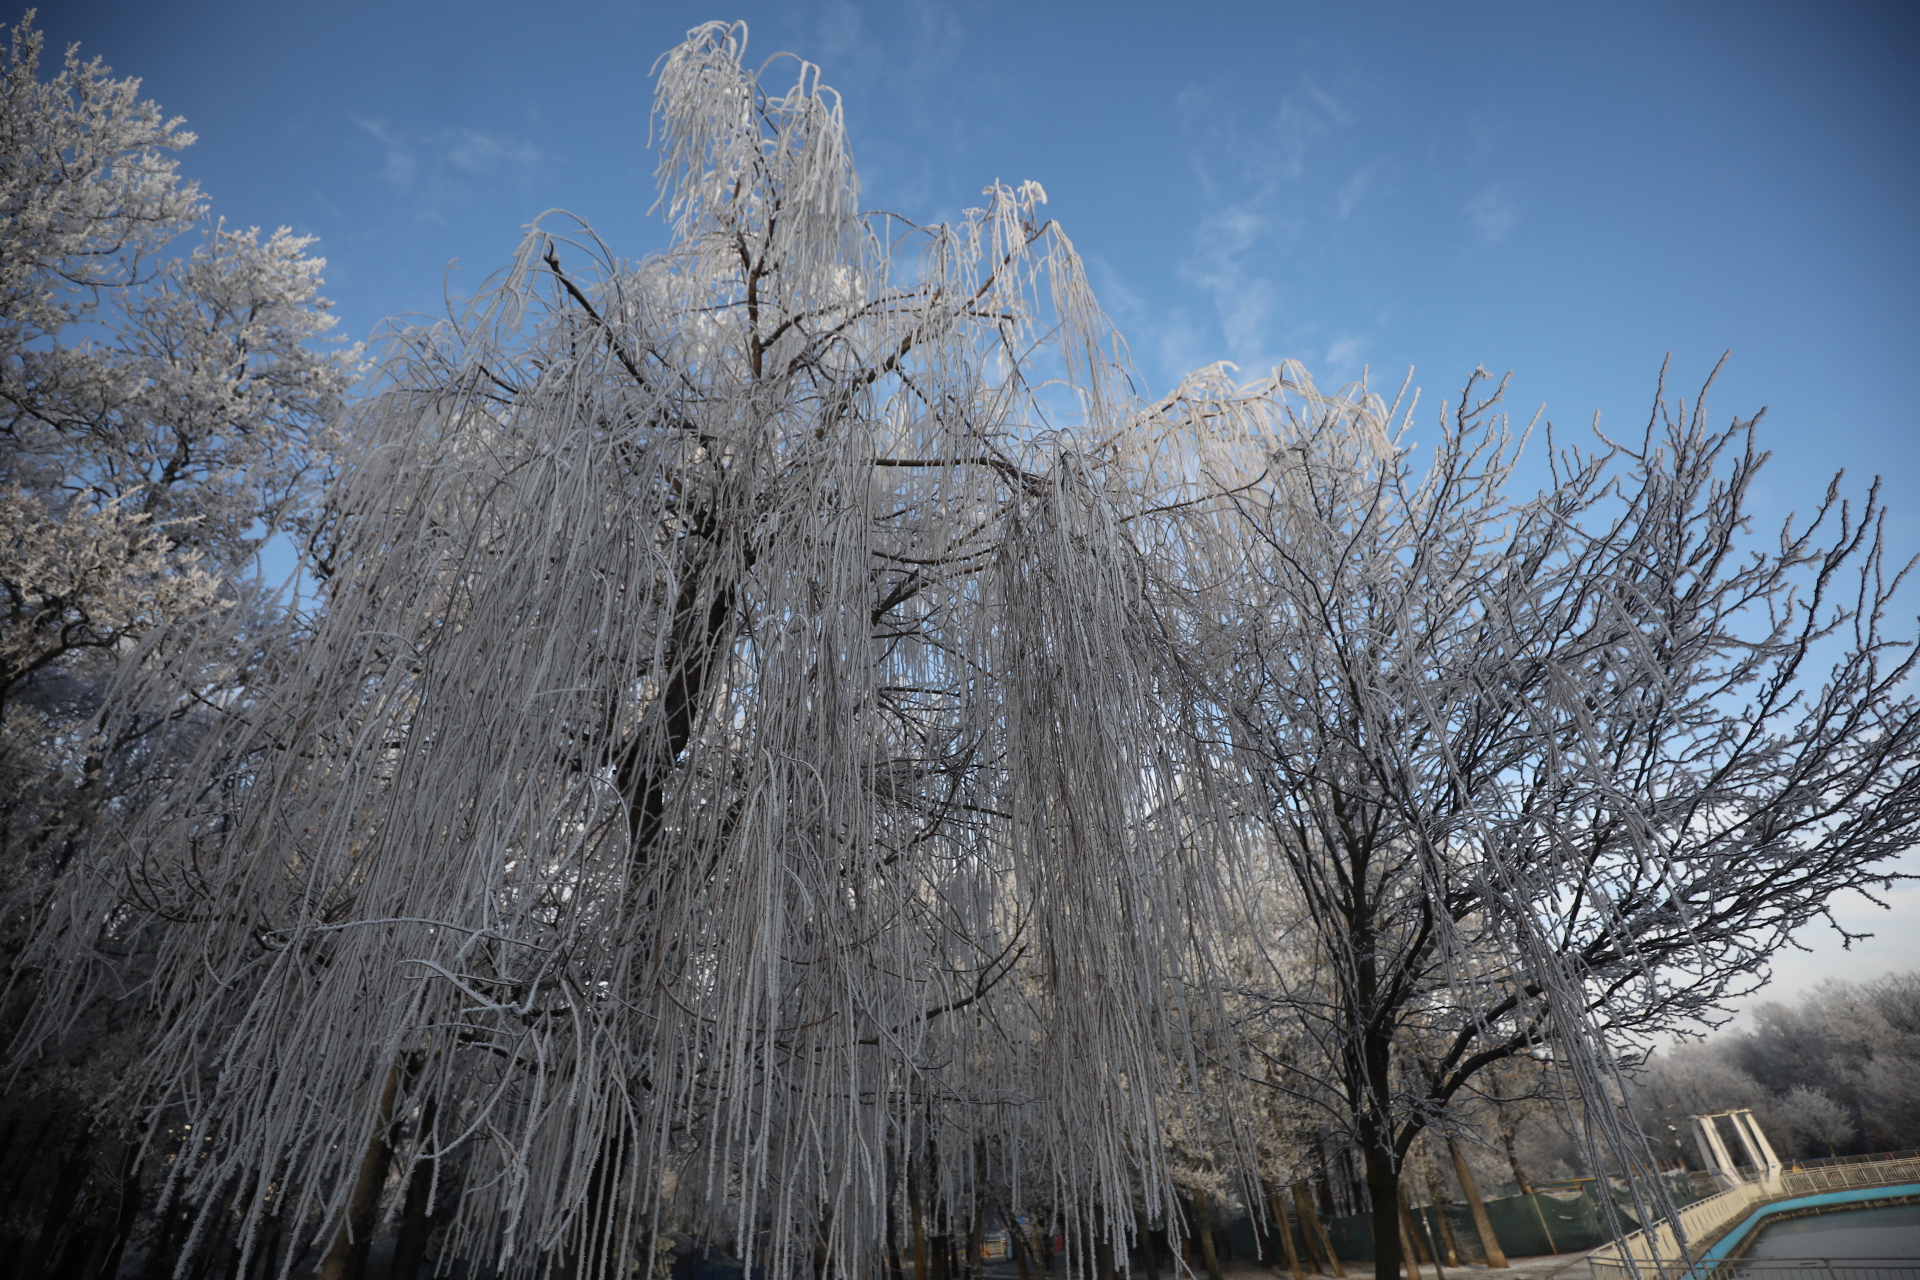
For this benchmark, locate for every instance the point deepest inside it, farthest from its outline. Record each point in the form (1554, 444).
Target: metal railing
(1816, 1269)
(1839, 1177)
(1817, 1162)
(1657, 1250)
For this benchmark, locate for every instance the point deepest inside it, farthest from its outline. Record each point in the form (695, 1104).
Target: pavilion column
(1715, 1150)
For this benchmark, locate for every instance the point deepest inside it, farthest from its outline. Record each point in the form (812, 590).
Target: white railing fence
(1819, 1269)
(1839, 1177)
(1657, 1250)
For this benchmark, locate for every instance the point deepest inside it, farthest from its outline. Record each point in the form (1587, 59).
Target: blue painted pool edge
(1754, 1219)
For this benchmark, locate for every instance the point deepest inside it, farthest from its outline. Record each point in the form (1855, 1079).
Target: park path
(1547, 1266)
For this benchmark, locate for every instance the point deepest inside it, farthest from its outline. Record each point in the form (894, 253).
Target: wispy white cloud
(1228, 154)
(1223, 263)
(478, 153)
(1358, 186)
(1265, 183)
(401, 167)
(433, 171)
(1345, 355)
(1491, 214)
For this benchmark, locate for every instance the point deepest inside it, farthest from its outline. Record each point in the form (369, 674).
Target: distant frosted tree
(1855, 1044)
(163, 412)
(1816, 1119)
(161, 415)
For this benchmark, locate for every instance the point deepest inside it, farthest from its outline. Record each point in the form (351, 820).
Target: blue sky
(1569, 192)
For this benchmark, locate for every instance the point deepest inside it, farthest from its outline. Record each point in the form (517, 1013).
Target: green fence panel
(1352, 1237)
(1238, 1238)
(1546, 1222)
(1459, 1219)
(1241, 1239)
(1562, 1220)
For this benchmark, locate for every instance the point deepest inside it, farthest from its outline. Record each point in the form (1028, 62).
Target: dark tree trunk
(1482, 1225)
(821, 1235)
(921, 1271)
(1383, 1190)
(168, 1240)
(6, 1138)
(1314, 1234)
(1440, 1216)
(1149, 1248)
(939, 1251)
(272, 1244)
(114, 1222)
(1203, 1229)
(1284, 1229)
(586, 1253)
(1416, 1233)
(410, 1246)
(11, 1190)
(68, 1179)
(894, 1270)
(72, 1256)
(347, 1258)
(975, 1225)
(1520, 1178)
(211, 1255)
(236, 1253)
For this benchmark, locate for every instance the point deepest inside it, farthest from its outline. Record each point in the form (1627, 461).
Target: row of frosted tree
(783, 742)
(1836, 1073)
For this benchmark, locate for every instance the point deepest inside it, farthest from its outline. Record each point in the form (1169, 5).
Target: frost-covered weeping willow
(726, 760)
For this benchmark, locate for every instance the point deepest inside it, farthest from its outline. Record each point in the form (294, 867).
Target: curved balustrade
(1659, 1251)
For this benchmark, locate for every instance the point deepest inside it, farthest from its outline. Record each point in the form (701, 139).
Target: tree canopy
(162, 415)
(790, 741)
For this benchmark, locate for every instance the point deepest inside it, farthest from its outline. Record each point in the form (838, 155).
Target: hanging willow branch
(724, 763)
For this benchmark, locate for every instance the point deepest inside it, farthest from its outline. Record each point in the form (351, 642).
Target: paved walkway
(1566, 1266)
(1543, 1267)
